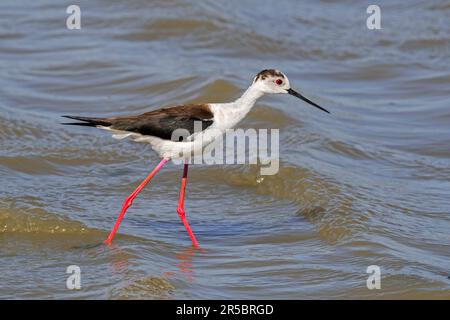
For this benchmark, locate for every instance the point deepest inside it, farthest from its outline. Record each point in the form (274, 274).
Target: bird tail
(89, 122)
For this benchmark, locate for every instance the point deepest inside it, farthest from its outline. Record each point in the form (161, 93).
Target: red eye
(279, 82)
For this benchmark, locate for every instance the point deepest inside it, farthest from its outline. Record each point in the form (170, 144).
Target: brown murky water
(367, 185)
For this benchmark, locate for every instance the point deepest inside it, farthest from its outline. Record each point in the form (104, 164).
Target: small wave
(169, 28)
(38, 221)
(423, 44)
(346, 149)
(144, 288)
(320, 201)
(28, 165)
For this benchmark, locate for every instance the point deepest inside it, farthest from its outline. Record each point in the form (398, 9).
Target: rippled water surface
(367, 185)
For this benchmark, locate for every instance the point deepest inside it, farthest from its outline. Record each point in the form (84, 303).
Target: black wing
(159, 123)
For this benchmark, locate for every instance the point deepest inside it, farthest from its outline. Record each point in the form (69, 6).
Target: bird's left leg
(180, 208)
(129, 200)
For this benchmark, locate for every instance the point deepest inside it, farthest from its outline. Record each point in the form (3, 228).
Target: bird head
(274, 81)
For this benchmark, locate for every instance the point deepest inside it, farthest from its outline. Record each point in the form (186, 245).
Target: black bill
(298, 95)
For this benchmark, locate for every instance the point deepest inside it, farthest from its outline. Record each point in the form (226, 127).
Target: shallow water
(367, 185)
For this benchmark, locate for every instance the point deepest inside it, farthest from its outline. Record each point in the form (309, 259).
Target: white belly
(172, 149)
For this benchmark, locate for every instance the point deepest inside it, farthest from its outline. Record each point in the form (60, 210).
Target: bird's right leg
(180, 208)
(129, 200)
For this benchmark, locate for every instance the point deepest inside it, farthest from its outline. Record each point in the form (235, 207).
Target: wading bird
(158, 127)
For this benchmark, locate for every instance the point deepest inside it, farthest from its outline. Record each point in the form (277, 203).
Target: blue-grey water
(367, 185)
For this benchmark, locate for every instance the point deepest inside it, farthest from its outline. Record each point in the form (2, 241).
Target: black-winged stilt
(158, 127)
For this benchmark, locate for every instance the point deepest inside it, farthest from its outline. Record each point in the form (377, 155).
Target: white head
(271, 81)
(274, 81)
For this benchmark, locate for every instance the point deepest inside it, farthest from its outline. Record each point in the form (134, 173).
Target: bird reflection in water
(184, 264)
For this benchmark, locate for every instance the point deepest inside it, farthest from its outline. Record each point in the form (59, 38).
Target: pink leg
(180, 208)
(129, 200)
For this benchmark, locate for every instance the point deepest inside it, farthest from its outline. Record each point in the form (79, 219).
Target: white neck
(248, 99)
(229, 114)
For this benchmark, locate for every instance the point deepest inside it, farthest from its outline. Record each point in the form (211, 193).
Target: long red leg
(129, 200)
(180, 208)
